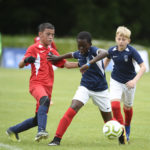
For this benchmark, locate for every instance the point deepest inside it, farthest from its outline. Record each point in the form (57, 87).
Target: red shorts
(38, 91)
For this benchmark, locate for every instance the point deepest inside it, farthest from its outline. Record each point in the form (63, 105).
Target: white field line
(6, 146)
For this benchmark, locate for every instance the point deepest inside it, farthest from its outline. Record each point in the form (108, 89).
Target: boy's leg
(41, 94)
(79, 99)
(128, 117)
(116, 92)
(116, 109)
(42, 118)
(128, 109)
(13, 131)
(65, 122)
(107, 116)
(42, 113)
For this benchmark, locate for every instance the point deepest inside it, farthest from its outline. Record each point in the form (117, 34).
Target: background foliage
(100, 17)
(64, 45)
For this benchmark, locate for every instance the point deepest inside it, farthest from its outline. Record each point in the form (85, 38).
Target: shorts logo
(126, 58)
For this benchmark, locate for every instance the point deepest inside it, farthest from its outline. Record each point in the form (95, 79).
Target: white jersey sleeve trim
(37, 63)
(100, 65)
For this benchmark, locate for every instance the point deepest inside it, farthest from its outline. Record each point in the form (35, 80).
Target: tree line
(100, 17)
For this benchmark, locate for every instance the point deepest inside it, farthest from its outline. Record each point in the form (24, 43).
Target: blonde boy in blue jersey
(123, 77)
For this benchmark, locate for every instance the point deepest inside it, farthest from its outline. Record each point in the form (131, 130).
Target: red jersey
(53, 45)
(42, 71)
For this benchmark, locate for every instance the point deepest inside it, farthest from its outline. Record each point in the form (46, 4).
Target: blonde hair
(123, 31)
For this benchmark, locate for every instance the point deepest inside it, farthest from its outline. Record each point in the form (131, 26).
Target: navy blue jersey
(123, 69)
(94, 78)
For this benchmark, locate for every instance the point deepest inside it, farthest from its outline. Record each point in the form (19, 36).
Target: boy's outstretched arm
(55, 58)
(101, 54)
(70, 65)
(67, 64)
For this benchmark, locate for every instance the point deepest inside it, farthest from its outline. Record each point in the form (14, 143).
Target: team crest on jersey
(126, 58)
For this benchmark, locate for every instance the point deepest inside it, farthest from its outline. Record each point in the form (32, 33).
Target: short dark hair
(84, 35)
(44, 26)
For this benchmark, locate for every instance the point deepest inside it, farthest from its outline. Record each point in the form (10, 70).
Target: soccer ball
(112, 129)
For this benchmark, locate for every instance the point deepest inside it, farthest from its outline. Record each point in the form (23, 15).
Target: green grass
(85, 131)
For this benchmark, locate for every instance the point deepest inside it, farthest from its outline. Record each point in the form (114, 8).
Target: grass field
(85, 131)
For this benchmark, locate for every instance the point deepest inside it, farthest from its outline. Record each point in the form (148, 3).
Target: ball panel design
(112, 129)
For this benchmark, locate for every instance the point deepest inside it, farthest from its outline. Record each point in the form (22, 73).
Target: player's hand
(84, 68)
(29, 59)
(131, 84)
(52, 57)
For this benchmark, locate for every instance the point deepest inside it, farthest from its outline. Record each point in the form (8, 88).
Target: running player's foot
(127, 132)
(123, 139)
(13, 136)
(41, 135)
(55, 142)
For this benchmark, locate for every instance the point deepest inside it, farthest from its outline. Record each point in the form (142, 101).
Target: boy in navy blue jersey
(93, 83)
(123, 77)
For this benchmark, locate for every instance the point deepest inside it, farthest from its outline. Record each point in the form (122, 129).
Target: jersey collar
(115, 48)
(127, 49)
(40, 46)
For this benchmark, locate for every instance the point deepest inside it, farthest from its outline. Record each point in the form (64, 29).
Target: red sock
(65, 122)
(116, 109)
(128, 115)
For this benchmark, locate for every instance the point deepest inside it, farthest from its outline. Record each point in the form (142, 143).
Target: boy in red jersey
(41, 81)
(52, 45)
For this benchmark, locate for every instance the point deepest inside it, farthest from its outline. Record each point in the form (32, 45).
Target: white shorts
(101, 99)
(122, 92)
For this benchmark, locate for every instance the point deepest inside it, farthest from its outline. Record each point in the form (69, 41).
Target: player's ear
(40, 33)
(129, 41)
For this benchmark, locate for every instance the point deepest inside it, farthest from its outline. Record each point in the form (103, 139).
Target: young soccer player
(52, 45)
(41, 81)
(123, 77)
(93, 84)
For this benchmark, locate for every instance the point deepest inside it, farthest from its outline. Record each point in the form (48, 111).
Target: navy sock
(25, 125)
(42, 117)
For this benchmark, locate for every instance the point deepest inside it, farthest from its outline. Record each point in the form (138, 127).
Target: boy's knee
(76, 105)
(45, 101)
